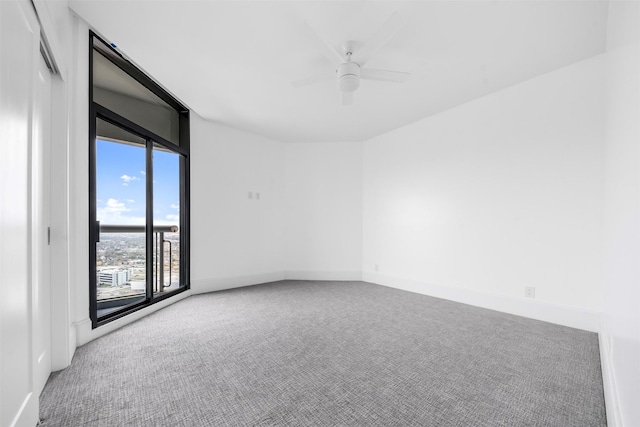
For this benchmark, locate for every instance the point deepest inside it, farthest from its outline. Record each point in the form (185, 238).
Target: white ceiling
(233, 61)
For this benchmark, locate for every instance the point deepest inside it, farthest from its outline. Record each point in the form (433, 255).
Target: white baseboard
(84, 333)
(323, 275)
(531, 308)
(202, 286)
(73, 340)
(614, 416)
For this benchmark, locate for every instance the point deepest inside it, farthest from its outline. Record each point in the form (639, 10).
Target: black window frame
(97, 111)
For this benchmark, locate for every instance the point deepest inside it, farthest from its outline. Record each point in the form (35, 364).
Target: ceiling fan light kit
(351, 61)
(348, 74)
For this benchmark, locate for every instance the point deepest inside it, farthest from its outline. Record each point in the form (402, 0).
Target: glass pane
(124, 95)
(121, 207)
(166, 220)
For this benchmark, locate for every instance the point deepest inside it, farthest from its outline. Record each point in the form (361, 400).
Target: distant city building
(113, 277)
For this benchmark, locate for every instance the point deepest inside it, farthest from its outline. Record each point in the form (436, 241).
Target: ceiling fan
(352, 59)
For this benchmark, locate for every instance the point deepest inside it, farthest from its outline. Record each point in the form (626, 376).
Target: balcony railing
(159, 231)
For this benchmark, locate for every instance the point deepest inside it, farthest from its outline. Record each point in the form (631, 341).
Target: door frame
(41, 221)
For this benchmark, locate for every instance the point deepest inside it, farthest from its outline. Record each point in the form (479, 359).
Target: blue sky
(121, 181)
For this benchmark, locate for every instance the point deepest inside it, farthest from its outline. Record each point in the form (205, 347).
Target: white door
(19, 44)
(41, 205)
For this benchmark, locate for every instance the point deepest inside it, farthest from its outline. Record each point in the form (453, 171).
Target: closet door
(19, 44)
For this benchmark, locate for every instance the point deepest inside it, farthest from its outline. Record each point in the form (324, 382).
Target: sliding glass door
(166, 217)
(139, 188)
(121, 249)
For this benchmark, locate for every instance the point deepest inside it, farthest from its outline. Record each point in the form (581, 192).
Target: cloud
(113, 206)
(173, 217)
(131, 201)
(115, 212)
(143, 173)
(175, 206)
(126, 179)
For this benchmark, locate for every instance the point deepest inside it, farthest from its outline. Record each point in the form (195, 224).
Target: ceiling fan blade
(347, 98)
(327, 50)
(318, 78)
(384, 75)
(379, 39)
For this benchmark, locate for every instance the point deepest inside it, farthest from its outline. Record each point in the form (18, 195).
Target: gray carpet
(302, 353)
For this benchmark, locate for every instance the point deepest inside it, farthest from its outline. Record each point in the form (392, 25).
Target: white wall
(323, 211)
(235, 240)
(622, 207)
(78, 160)
(494, 195)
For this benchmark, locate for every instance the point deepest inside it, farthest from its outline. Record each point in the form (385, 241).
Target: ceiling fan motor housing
(348, 76)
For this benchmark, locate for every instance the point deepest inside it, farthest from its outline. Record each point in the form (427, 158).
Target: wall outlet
(251, 194)
(257, 196)
(375, 267)
(530, 291)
